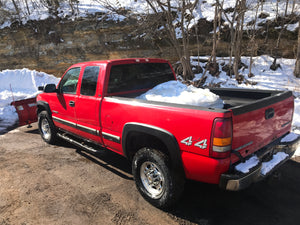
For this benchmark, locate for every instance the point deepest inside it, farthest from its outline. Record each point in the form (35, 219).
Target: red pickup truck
(94, 106)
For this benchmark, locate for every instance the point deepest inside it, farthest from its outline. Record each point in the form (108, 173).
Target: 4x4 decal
(189, 141)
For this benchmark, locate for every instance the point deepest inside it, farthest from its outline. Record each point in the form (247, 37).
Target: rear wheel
(154, 178)
(46, 127)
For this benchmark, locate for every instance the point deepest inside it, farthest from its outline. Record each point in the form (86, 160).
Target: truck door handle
(71, 103)
(269, 113)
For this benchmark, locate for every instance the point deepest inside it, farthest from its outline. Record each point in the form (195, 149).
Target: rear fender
(164, 136)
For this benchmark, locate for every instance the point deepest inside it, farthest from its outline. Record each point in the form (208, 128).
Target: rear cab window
(126, 78)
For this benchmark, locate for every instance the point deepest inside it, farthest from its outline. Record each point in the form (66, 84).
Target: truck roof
(122, 61)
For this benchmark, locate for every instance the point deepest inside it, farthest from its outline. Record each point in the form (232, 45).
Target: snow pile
(16, 85)
(290, 137)
(179, 93)
(277, 158)
(296, 118)
(249, 164)
(266, 166)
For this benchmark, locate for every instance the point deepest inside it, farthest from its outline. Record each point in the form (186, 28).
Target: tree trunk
(286, 7)
(297, 65)
(187, 69)
(214, 54)
(28, 11)
(239, 37)
(17, 9)
(253, 45)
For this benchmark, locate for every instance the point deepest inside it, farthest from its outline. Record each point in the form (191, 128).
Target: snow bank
(35, 10)
(16, 85)
(179, 93)
(23, 83)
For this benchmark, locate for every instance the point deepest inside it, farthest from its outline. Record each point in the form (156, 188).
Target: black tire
(154, 178)
(47, 128)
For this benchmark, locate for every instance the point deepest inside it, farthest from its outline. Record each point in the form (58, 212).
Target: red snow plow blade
(26, 110)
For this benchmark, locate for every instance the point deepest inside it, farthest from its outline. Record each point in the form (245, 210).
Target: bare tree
(239, 37)
(52, 6)
(297, 65)
(252, 45)
(232, 35)
(212, 66)
(214, 50)
(293, 6)
(177, 19)
(236, 34)
(286, 7)
(74, 6)
(27, 7)
(167, 20)
(17, 9)
(283, 26)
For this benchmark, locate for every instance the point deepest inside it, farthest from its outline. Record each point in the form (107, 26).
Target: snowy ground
(37, 10)
(20, 84)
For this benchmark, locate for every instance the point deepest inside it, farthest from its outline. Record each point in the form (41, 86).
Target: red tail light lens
(221, 138)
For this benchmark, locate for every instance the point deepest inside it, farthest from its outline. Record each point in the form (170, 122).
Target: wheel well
(43, 107)
(40, 109)
(137, 140)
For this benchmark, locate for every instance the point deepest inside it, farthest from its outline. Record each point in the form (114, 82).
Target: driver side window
(68, 84)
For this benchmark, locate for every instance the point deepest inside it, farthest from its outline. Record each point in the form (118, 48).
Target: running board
(82, 144)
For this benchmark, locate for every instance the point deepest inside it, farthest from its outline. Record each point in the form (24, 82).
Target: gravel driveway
(44, 184)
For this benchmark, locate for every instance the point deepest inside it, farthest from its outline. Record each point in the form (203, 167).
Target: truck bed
(259, 116)
(237, 100)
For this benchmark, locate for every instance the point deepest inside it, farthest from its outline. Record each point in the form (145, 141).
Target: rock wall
(53, 45)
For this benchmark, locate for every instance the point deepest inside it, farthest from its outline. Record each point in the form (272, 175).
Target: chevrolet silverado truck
(94, 106)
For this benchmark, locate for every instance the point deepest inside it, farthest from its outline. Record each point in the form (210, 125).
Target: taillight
(221, 138)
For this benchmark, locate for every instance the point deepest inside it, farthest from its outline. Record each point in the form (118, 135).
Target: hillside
(47, 37)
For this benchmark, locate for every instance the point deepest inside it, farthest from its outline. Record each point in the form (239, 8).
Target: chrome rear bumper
(237, 180)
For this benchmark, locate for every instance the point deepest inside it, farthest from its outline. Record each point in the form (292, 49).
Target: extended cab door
(88, 104)
(63, 108)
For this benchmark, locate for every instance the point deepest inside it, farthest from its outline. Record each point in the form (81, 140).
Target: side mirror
(41, 88)
(50, 88)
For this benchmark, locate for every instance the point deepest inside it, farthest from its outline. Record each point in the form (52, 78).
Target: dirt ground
(44, 184)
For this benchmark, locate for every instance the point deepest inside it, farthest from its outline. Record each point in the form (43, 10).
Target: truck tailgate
(261, 121)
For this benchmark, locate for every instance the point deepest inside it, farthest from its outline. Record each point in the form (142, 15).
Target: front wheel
(46, 127)
(154, 179)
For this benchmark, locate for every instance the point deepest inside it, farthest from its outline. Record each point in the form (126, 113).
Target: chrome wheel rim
(45, 128)
(152, 179)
